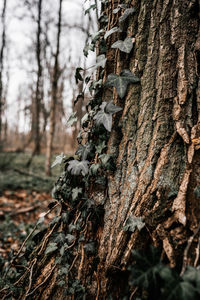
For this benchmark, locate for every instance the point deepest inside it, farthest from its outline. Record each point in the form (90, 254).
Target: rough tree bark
(156, 141)
(56, 74)
(2, 50)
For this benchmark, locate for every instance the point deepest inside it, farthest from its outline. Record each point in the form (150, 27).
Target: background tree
(2, 54)
(54, 91)
(38, 94)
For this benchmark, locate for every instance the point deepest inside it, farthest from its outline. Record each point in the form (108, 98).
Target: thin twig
(73, 262)
(98, 289)
(45, 280)
(30, 278)
(77, 218)
(6, 296)
(185, 255)
(197, 254)
(133, 293)
(46, 238)
(81, 262)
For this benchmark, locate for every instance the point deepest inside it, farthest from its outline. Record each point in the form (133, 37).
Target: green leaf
(121, 82)
(105, 158)
(110, 108)
(90, 247)
(78, 167)
(111, 31)
(61, 283)
(197, 191)
(146, 271)
(40, 221)
(94, 168)
(126, 14)
(100, 147)
(58, 160)
(70, 238)
(60, 238)
(175, 287)
(101, 61)
(192, 275)
(116, 10)
(65, 217)
(51, 248)
(78, 76)
(124, 46)
(75, 192)
(55, 220)
(83, 151)
(72, 119)
(84, 118)
(103, 118)
(64, 270)
(134, 222)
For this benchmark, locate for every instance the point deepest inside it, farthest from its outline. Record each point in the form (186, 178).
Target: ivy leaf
(83, 151)
(70, 238)
(100, 147)
(111, 31)
(64, 270)
(121, 82)
(61, 283)
(90, 247)
(51, 248)
(40, 221)
(75, 192)
(78, 167)
(124, 46)
(65, 217)
(175, 287)
(84, 118)
(78, 76)
(58, 160)
(60, 238)
(192, 275)
(94, 168)
(105, 158)
(126, 14)
(129, 76)
(71, 120)
(146, 271)
(197, 191)
(103, 118)
(101, 61)
(116, 10)
(110, 108)
(134, 222)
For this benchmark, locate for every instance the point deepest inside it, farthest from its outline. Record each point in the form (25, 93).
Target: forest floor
(25, 194)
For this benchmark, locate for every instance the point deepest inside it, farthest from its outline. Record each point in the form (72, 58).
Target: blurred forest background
(41, 45)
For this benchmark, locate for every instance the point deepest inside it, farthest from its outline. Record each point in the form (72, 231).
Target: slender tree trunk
(2, 50)
(38, 94)
(156, 145)
(54, 96)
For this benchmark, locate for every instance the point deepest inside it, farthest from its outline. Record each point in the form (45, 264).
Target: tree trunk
(156, 145)
(54, 96)
(2, 50)
(38, 94)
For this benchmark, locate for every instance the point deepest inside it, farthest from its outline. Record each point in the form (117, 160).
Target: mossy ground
(14, 173)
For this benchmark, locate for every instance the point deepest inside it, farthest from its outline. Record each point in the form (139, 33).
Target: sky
(20, 34)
